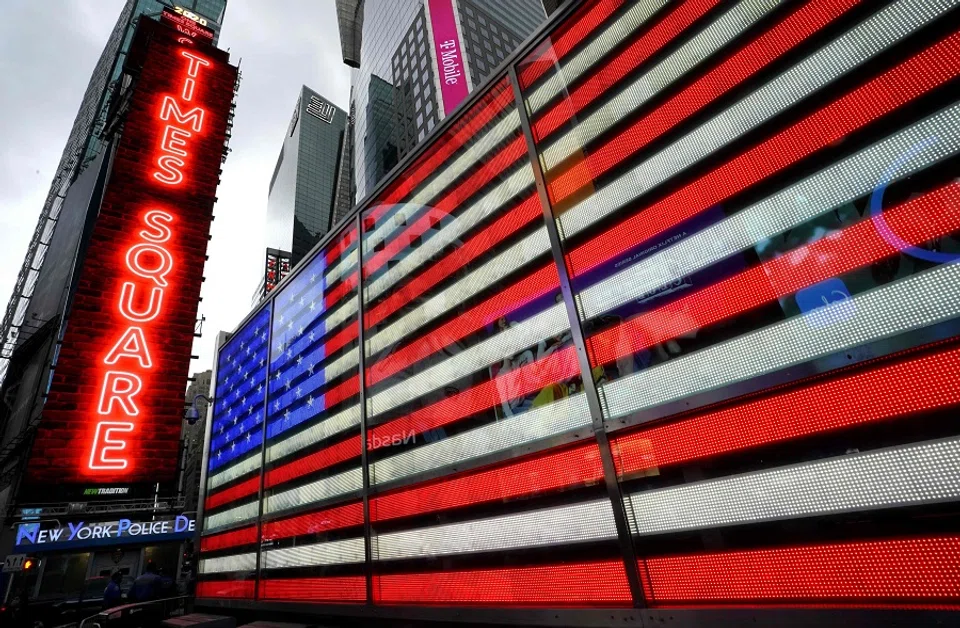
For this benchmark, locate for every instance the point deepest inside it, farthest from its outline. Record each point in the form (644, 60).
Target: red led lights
(332, 589)
(878, 97)
(870, 572)
(234, 538)
(574, 584)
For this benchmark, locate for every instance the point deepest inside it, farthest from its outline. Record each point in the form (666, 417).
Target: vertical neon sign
(114, 408)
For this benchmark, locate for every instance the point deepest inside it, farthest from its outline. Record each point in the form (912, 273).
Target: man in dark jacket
(113, 594)
(147, 586)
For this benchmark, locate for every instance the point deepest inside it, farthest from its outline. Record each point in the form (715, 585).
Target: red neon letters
(150, 264)
(173, 156)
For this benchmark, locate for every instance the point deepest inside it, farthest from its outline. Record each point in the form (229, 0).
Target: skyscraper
(416, 60)
(300, 204)
(84, 144)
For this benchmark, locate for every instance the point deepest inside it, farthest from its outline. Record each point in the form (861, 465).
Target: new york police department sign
(105, 533)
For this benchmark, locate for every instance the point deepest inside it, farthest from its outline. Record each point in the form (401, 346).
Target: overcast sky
(48, 49)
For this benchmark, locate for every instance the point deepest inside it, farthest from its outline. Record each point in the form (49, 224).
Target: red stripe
(345, 335)
(894, 571)
(540, 282)
(533, 476)
(329, 456)
(482, 242)
(333, 589)
(314, 522)
(341, 392)
(501, 96)
(234, 538)
(934, 214)
(248, 487)
(343, 288)
(569, 584)
(880, 96)
(226, 589)
(557, 367)
(620, 66)
(577, 28)
(735, 70)
(341, 245)
(899, 390)
(451, 201)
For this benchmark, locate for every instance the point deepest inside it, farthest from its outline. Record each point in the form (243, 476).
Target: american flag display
(718, 368)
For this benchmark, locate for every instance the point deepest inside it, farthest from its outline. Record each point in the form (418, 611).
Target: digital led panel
(668, 316)
(115, 405)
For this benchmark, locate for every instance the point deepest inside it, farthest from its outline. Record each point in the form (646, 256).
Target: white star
(301, 301)
(286, 414)
(221, 428)
(261, 362)
(288, 384)
(299, 360)
(312, 366)
(299, 392)
(313, 305)
(233, 446)
(313, 277)
(300, 330)
(236, 393)
(310, 401)
(289, 353)
(218, 455)
(259, 389)
(277, 376)
(311, 336)
(281, 318)
(263, 336)
(243, 343)
(229, 411)
(280, 347)
(248, 437)
(235, 420)
(250, 412)
(292, 297)
(248, 350)
(290, 325)
(276, 406)
(243, 401)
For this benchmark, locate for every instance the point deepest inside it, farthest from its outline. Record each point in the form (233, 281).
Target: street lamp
(193, 415)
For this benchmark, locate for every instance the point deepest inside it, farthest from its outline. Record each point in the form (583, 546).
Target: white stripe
(448, 234)
(344, 551)
(613, 35)
(234, 471)
(588, 521)
(726, 28)
(890, 478)
(563, 415)
(468, 159)
(550, 322)
(237, 562)
(517, 256)
(911, 303)
(326, 428)
(841, 183)
(341, 365)
(343, 268)
(838, 58)
(351, 480)
(231, 516)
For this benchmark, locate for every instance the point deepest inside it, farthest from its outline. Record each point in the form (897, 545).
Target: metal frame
(364, 462)
(586, 370)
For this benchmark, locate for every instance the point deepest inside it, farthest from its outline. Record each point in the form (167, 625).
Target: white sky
(48, 49)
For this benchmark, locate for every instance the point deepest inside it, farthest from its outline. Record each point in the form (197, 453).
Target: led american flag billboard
(667, 317)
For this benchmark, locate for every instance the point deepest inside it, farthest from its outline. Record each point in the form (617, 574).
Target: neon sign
(114, 407)
(148, 259)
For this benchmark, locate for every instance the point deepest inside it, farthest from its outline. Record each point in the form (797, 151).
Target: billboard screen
(668, 316)
(115, 404)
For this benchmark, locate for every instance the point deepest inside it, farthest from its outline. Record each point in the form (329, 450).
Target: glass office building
(303, 188)
(397, 85)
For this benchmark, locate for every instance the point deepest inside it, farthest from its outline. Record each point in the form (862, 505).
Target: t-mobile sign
(449, 54)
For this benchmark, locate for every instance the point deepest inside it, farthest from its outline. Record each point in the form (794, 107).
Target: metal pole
(364, 462)
(576, 330)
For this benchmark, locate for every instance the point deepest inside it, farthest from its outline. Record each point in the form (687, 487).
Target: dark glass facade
(666, 318)
(396, 84)
(303, 188)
